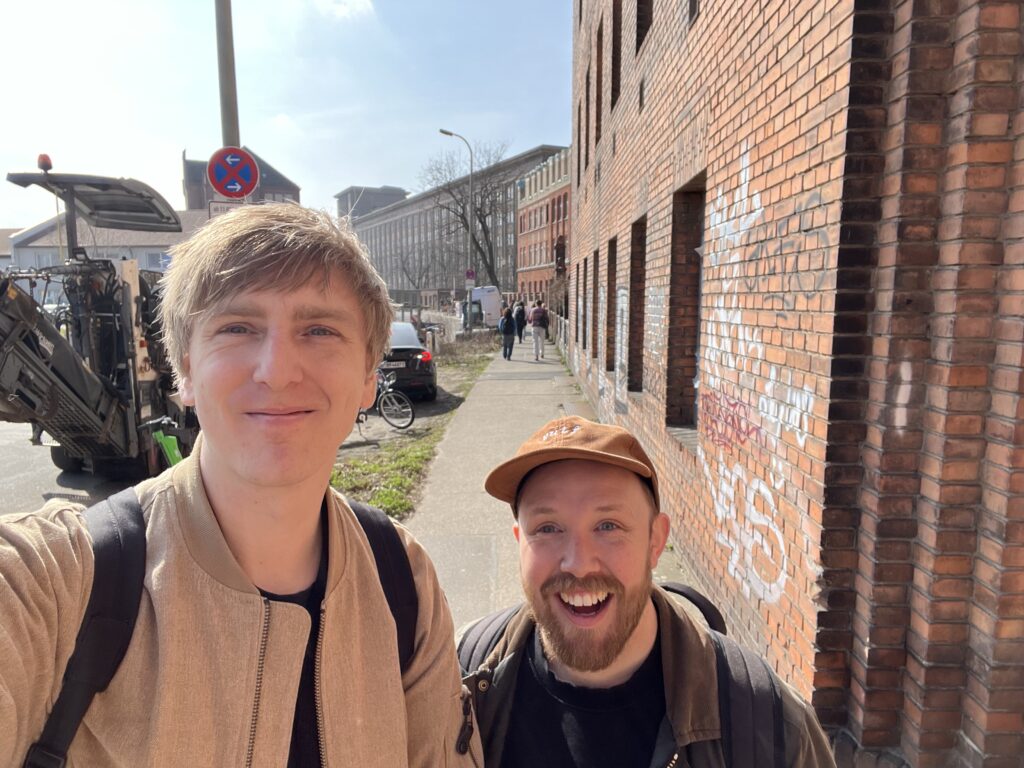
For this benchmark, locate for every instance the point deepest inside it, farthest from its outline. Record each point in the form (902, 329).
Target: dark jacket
(507, 326)
(519, 314)
(690, 734)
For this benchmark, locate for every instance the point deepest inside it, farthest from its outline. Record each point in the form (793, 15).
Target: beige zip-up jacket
(211, 675)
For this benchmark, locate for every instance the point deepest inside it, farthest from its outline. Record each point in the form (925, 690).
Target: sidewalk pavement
(467, 532)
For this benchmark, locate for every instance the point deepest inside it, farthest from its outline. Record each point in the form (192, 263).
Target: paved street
(29, 478)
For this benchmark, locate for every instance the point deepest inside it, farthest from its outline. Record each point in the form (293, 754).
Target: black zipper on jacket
(261, 661)
(318, 689)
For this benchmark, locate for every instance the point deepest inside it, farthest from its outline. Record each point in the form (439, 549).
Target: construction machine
(92, 369)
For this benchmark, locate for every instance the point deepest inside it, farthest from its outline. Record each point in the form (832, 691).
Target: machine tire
(396, 409)
(61, 460)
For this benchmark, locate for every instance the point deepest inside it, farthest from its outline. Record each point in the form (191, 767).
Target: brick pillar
(920, 56)
(983, 271)
(857, 257)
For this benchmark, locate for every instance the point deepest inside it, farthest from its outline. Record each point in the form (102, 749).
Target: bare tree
(448, 175)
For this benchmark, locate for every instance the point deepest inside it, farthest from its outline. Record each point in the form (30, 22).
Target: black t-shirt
(558, 725)
(305, 746)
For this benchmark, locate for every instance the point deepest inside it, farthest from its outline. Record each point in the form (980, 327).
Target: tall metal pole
(471, 225)
(226, 72)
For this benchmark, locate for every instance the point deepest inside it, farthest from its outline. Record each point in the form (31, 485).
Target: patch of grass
(390, 478)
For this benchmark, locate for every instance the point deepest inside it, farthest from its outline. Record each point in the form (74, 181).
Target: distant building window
(644, 17)
(694, 9)
(616, 49)
(599, 84)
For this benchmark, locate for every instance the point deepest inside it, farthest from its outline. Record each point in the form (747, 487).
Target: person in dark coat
(520, 317)
(507, 329)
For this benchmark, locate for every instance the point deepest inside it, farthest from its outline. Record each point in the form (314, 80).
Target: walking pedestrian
(520, 315)
(507, 329)
(538, 328)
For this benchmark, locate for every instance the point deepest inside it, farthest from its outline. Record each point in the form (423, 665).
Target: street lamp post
(470, 219)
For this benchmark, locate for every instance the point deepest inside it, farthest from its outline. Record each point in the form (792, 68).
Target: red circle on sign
(233, 172)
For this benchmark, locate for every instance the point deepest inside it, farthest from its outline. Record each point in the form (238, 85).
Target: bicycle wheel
(396, 409)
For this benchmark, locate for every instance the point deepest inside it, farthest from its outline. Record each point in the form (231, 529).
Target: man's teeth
(584, 600)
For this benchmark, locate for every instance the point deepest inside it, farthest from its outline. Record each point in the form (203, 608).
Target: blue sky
(331, 92)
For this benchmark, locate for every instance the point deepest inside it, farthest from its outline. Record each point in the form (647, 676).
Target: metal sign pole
(226, 72)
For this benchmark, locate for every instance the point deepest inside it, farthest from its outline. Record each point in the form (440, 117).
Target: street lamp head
(445, 133)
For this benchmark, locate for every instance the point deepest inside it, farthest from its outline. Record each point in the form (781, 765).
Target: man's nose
(580, 556)
(278, 362)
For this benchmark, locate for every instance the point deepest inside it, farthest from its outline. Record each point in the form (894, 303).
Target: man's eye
(607, 525)
(234, 329)
(320, 330)
(546, 529)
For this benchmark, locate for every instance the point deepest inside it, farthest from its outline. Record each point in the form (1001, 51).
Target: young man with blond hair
(600, 667)
(263, 635)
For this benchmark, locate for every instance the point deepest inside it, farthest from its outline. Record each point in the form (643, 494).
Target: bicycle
(391, 405)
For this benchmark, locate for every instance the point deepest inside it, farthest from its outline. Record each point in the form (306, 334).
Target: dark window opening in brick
(682, 384)
(576, 314)
(580, 14)
(641, 95)
(582, 304)
(616, 50)
(637, 305)
(644, 17)
(593, 305)
(586, 124)
(694, 9)
(579, 141)
(599, 83)
(611, 301)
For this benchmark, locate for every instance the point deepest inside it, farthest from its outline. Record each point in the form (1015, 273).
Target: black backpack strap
(395, 575)
(119, 551)
(708, 609)
(750, 707)
(481, 636)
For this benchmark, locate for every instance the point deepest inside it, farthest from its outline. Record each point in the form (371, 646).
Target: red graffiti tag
(725, 421)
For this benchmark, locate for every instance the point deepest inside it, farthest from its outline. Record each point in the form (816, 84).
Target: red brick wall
(534, 277)
(851, 492)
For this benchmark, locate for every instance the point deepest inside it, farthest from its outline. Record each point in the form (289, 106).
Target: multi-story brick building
(797, 272)
(543, 222)
(419, 245)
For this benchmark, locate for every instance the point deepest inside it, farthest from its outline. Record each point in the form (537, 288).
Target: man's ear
(659, 537)
(185, 389)
(515, 530)
(369, 389)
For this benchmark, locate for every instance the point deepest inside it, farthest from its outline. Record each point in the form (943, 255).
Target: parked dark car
(412, 362)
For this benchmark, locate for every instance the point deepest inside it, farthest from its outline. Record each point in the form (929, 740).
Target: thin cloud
(344, 9)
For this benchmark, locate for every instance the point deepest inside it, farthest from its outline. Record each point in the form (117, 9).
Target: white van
(490, 304)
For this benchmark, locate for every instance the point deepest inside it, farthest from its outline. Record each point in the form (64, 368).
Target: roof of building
(44, 234)
(360, 189)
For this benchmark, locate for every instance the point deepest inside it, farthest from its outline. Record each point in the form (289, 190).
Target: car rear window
(404, 335)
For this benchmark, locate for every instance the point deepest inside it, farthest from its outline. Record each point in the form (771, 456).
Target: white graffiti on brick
(746, 507)
(746, 530)
(621, 338)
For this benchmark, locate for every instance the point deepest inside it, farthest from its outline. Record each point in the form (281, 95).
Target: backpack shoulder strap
(481, 636)
(750, 707)
(119, 550)
(710, 612)
(395, 575)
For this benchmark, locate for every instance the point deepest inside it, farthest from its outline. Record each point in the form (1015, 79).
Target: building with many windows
(543, 222)
(354, 202)
(419, 244)
(797, 274)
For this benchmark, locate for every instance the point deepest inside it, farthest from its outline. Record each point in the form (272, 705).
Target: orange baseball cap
(571, 437)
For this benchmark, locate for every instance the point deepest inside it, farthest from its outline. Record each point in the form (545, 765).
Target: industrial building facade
(421, 249)
(797, 273)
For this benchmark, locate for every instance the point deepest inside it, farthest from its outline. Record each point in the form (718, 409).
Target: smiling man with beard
(600, 667)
